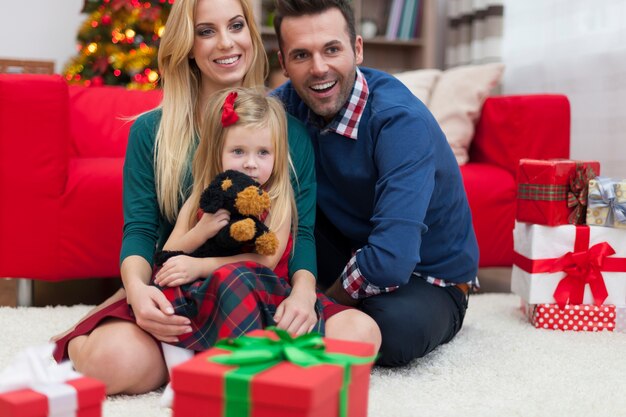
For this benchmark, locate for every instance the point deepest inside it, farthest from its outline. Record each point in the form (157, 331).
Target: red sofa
(62, 150)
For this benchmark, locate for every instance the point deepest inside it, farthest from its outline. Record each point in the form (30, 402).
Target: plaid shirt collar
(346, 122)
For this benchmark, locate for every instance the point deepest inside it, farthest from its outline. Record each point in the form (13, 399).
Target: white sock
(173, 355)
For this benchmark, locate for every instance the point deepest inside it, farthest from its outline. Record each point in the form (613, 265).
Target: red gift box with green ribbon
(554, 192)
(268, 373)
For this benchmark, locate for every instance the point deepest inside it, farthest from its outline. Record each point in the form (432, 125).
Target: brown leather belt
(463, 287)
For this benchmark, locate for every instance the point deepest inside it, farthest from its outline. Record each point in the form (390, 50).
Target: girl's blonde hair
(181, 82)
(256, 110)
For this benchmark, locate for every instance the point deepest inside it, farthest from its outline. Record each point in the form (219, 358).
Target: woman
(207, 45)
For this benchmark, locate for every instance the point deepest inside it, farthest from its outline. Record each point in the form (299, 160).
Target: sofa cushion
(491, 195)
(421, 82)
(101, 118)
(91, 219)
(457, 100)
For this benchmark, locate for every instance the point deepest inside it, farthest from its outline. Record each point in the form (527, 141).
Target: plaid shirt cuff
(355, 283)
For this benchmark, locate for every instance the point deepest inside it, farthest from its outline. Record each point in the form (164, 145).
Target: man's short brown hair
(295, 8)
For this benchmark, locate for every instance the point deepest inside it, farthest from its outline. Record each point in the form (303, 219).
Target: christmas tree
(118, 43)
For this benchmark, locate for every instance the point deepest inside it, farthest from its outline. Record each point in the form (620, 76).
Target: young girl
(245, 131)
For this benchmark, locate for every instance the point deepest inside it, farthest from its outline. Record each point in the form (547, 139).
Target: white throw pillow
(457, 100)
(420, 82)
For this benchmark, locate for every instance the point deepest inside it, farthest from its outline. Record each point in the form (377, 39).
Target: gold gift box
(598, 209)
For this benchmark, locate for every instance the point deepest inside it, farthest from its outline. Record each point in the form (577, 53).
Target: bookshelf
(414, 51)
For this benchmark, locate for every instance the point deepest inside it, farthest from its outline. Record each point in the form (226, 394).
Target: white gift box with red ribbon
(569, 264)
(34, 385)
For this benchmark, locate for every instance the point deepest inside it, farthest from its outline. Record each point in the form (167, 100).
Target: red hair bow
(229, 115)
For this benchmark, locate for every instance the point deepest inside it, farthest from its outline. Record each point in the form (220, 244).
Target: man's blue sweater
(396, 192)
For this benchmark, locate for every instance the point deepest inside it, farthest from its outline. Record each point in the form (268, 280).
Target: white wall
(576, 48)
(40, 29)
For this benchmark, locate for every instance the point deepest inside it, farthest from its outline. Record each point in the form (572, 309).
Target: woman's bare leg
(118, 295)
(120, 354)
(354, 325)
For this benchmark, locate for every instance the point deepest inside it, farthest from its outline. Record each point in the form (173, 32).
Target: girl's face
(222, 46)
(249, 150)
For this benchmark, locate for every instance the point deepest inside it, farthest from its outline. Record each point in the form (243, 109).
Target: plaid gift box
(607, 202)
(275, 376)
(569, 264)
(553, 192)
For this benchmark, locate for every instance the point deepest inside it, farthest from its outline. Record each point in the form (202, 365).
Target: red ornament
(97, 81)
(106, 19)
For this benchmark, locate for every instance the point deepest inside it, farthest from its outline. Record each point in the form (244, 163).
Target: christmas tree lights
(118, 43)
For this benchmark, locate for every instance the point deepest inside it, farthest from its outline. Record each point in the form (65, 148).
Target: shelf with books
(388, 45)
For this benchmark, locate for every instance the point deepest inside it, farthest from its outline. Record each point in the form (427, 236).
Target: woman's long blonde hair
(256, 110)
(181, 82)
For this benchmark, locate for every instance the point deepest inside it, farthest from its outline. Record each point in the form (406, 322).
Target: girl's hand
(211, 223)
(296, 313)
(179, 270)
(154, 313)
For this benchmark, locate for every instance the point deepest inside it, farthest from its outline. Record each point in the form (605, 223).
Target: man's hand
(340, 295)
(154, 313)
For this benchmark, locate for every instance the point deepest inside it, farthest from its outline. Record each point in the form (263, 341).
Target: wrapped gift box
(579, 317)
(285, 389)
(553, 192)
(550, 264)
(607, 203)
(80, 397)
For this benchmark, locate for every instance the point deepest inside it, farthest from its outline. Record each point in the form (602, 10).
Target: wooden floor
(81, 291)
(8, 292)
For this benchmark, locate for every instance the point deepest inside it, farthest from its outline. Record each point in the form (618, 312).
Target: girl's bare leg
(354, 325)
(120, 354)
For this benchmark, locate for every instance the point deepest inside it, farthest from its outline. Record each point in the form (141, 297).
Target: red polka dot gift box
(589, 318)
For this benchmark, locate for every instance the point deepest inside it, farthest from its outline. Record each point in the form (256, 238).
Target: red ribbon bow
(582, 268)
(229, 115)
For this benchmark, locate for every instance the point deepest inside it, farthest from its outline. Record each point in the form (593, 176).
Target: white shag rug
(498, 365)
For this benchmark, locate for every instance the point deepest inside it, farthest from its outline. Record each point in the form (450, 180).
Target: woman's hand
(154, 313)
(296, 313)
(179, 270)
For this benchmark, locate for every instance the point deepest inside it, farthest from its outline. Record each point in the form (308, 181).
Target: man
(394, 231)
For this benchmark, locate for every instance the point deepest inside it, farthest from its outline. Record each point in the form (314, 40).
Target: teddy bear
(246, 201)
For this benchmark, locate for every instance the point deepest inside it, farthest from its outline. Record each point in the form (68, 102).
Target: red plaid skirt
(235, 299)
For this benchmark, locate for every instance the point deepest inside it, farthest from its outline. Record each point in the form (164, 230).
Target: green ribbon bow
(253, 355)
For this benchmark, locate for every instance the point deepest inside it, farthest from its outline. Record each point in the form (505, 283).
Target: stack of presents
(570, 246)
(265, 373)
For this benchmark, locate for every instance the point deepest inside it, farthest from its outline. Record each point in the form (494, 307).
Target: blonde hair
(255, 110)
(181, 82)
